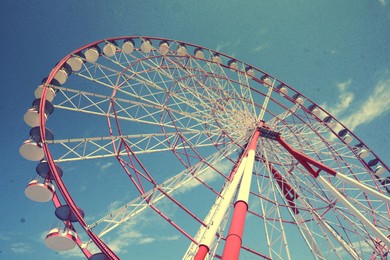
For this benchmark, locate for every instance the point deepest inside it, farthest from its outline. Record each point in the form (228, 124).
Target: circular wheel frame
(203, 145)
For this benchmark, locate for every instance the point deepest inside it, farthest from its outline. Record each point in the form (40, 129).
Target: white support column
(359, 215)
(207, 234)
(344, 178)
(243, 194)
(220, 212)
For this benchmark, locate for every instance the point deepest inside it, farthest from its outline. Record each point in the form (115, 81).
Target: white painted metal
(357, 213)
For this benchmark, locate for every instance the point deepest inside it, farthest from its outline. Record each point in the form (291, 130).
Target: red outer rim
(63, 190)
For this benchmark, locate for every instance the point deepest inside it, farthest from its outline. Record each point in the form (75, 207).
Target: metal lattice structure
(209, 145)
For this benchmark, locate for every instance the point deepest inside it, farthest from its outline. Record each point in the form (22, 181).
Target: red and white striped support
(217, 216)
(234, 239)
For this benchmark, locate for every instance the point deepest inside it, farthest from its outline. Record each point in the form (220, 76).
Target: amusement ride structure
(228, 158)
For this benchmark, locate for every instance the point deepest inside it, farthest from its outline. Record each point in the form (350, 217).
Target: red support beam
(234, 239)
(304, 158)
(202, 252)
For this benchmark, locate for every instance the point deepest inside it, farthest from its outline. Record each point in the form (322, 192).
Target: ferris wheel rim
(50, 160)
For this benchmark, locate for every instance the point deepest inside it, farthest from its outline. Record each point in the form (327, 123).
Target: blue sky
(335, 52)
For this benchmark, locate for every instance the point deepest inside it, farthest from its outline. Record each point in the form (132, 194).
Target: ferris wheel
(201, 149)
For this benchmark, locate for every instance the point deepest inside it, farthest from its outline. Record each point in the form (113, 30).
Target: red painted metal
(203, 249)
(233, 240)
(304, 159)
(202, 252)
(60, 184)
(288, 191)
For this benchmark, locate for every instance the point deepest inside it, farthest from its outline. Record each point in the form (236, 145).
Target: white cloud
(130, 234)
(359, 245)
(345, 99)
(4, 236)
(376, 105)
(222, 46)
(115, 205)
(260, 47)
(133, 233)
(146, 240)
(105, 166)
(171, 238)
(382, 2)
(209, 175)
(74, 253)
(20, 248)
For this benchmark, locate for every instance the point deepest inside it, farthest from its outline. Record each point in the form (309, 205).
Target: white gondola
(345, 136)
(314, 110)
(376, 167)
(146, 46)
(181, 50)
(31, 150)
(109, 49)
(198, 52)
(62, 74)
(233, 65)
(92, 54)
(363, 153)
(61, 240)
(75, 63)
(379, 170)
(50, 93)
(250, 72)
(32, 117)
(283, 90)
(216, 58)
(267, 82)
(298, 98)
(163, 48)
(330, 121)
(39, 192)
(128, 46)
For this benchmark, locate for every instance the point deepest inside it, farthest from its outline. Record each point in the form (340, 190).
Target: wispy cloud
(376, 105)
(345, 98)
(4, 236)
(360, 245)
(208, 176)
(222, 46)
(146, 240)
(74, 253)
(260, 47)
(133, 233)
(115, 205)
(129, 234)
(382, 2)
(21, 248)
(105, 166)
